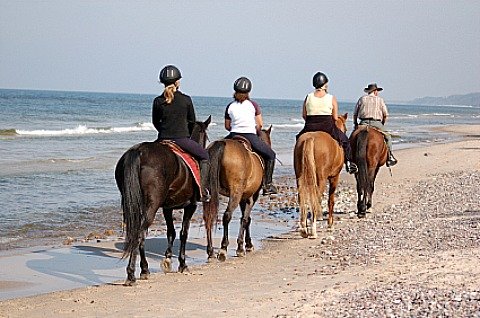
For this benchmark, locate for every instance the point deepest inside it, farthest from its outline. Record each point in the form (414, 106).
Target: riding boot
(268, 187)
(391, 161)
(204, 180)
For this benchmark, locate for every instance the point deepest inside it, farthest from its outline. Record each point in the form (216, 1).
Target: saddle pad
(367, 126)
(244, 141)
(191, 163)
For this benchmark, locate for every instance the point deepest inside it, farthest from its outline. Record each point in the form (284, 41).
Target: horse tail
(210, 209)
(309, 190)
(132, 200)
(362, 141)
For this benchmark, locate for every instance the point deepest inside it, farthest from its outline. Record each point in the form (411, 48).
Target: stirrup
(391, 162)
(269, 189)
(206, 196)
(351, 167)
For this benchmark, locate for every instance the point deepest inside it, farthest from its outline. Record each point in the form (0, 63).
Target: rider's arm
(259, 122)
(228, 124)
(355, 115)
(335, 108)
(304, 111)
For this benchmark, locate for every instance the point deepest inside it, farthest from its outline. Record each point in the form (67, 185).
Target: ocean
(58, 151)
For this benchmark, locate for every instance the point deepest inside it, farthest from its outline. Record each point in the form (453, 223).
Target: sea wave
(288, 126)
(80, 130)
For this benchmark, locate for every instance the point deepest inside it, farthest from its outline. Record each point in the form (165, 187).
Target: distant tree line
(472, 99)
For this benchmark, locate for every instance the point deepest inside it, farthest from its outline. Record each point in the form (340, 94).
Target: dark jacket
(173, 120)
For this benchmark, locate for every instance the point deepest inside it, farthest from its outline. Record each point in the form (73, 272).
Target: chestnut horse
(317, 158)
(150, 175)
(236, 172)
(369, 152)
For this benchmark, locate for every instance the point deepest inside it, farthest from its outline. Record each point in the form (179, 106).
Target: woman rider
(320, 111)
(173, 116)
(243, 117)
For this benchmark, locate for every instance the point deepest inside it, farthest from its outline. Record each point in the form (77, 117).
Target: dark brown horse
(236, 173)
(317, 158)
(369, 152)
(149, 176)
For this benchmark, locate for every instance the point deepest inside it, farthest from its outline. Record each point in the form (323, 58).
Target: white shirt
(242, 116)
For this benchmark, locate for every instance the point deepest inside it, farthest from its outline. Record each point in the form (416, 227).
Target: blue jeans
(191, 146)
(258, 145)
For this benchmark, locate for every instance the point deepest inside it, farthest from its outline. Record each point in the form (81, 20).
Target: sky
(410, 48)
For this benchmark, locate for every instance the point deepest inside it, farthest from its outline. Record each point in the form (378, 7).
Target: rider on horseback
(243, 117)
(320, 111)
(173, 116)
(371, 110)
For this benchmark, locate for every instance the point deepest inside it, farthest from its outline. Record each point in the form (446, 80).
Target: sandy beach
(416, 255)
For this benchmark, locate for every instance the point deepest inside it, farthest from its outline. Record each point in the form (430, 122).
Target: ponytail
(240, 97)
(169, 92)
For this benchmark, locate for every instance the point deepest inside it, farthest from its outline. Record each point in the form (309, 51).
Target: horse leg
(333, 181)
(145, 272)
(131, 268)
(316, 210)
(248, 238)
(246, 207)
(371, 180)
(210, 251)
(187, 217)
(361, 198)
(171, 234)
(227, 217)
(302, 224)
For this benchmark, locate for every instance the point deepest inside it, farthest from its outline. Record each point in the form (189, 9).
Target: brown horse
(236, 172)
(149, 176)
(369, 152)
(317, 158)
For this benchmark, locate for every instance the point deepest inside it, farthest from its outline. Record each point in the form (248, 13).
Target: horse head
(264, 135)
(341, 122)
(199, 131)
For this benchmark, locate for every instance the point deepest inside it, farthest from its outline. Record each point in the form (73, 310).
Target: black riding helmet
(319, 79)
(242, 85)
(169, 75)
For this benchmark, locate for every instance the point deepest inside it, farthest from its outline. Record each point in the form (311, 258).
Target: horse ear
(345, 115)
(269, 130)
(208, 121)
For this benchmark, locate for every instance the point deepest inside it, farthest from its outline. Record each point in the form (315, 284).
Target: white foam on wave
(288, 126)
(84, 130)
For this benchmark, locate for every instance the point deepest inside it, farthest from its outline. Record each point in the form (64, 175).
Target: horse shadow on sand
(95, 265)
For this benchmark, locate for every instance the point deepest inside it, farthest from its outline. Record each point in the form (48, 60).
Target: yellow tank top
(319, 105)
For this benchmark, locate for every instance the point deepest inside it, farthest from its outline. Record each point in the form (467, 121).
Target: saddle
(246, 143)
(191, 163)
(366, 127)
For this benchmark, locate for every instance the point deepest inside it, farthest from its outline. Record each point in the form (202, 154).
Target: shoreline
(281, 270)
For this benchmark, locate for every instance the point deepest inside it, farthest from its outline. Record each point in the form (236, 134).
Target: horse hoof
(144, 276)
(183, 269)
(167, 265)
(222, 256)
(313, 236)
(303, 233)
(241, 253)
(361, 215)
(129, 283)
(211, 259)
(250, 249)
